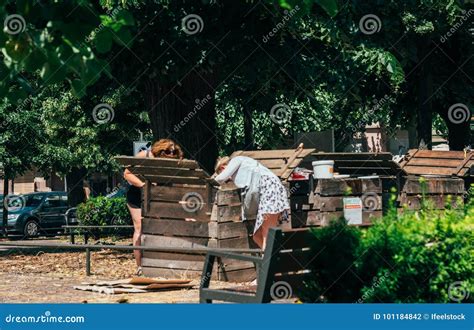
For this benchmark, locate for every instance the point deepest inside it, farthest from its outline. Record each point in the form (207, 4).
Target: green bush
(102, 211)
(415, 256)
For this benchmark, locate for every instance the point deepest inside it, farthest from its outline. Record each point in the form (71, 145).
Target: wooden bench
(280, 272)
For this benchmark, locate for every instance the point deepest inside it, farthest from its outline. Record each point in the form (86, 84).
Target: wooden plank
(434, 162)
(315, 218)
(228, 197)
(169, 227)
(173, 256)
(173, 264)
(176, 193)
(438, 154)
(229, 213)
(157, 162)
(183, 242)
(237, 243)
(179, 210)
(225, 230)
(434, 185)
(164, 171)
(173, 273)
(239, 275)
(161, 179)
(428, 170)
(334, 187)
(434, 201)
(292, 160)
(266, 154)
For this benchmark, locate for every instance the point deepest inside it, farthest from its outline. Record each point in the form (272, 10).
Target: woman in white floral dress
(273, 205)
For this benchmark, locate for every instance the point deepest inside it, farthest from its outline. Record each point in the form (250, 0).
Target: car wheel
(32, 228)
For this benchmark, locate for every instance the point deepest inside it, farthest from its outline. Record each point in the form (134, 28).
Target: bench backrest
(285, 263)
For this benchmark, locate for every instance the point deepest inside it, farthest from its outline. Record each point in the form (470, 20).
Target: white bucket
(323, 169)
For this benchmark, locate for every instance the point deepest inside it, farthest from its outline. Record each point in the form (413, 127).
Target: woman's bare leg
(136, 215)
(269, 221)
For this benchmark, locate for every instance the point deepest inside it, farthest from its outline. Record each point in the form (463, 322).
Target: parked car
(36, 213)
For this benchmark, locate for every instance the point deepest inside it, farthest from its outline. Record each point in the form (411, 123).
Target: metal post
(88, 262)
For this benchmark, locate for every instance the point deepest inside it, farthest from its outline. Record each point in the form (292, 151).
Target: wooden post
(88, 262)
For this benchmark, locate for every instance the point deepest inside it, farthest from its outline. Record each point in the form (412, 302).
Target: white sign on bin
(353, 210)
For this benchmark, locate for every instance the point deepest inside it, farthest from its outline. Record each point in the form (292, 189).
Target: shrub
(415, 256)
(102, 211)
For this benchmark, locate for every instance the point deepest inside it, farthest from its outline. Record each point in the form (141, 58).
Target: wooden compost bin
(181, 209)
(446, 176)
(322, 200)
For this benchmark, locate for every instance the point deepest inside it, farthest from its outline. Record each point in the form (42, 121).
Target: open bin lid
(437, 162)
(165, 171)
(281, 162)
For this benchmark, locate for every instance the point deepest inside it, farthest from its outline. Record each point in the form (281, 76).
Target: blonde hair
(221, 161)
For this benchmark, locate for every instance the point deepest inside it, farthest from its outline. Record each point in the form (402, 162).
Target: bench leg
(73, 238)
(206, 277)
(88, 262)
(86, 238)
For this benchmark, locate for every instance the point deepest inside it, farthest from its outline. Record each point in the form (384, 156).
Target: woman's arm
(231, 168)
(132, 178)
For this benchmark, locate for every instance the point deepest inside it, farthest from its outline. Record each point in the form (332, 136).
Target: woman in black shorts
(163, 148)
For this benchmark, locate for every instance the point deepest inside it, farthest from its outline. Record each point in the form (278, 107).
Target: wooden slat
(176, 193)
(336, 203)
(434, 186)
(157, 162)
(173, 264)
(177, 211)
(434, 162)
(173, 256)
(228, 197)
(160, 179)
(435, 201)
(225, 230)
(266, 154)
(439, 154)
(229, 213)
(184, 242)
(166, 171)
(428, 170)
(317, 218)
(175, 227)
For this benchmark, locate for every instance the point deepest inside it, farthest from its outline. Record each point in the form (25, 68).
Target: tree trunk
(425, 92)
(185, 112)
(4, 205)
(459, 134)
(248, 129)
(75, 188)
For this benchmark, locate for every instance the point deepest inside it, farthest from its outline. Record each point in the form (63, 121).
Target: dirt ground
(36, 276)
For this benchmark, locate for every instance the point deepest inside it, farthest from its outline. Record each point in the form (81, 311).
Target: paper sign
(353, 210)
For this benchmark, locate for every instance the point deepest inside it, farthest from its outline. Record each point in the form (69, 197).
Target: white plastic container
(323, 169)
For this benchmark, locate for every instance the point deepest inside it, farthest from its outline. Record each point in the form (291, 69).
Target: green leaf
(126, 17)
(35, 60)
(103, 40)
(123, 37)
(78, 88)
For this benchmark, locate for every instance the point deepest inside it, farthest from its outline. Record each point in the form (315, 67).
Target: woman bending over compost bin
(265, 198)
(163, 148)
